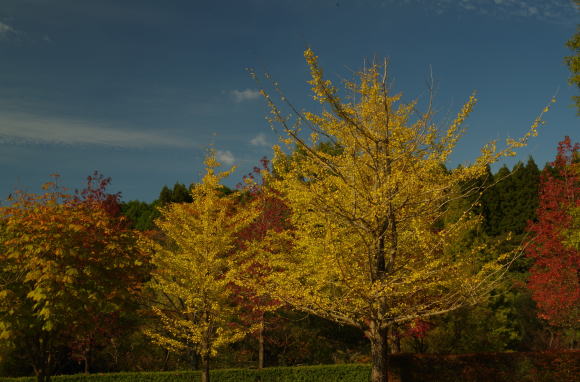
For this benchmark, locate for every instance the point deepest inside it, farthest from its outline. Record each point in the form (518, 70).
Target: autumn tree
(68, 266)
(368, 249)
(271, 216)
(193, 267)
(553, 277)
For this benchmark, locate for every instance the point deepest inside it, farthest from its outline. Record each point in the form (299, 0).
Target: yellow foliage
(193, 267)
(366, 243)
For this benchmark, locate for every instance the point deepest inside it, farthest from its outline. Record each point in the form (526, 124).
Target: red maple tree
(273, 216)
(553, 278)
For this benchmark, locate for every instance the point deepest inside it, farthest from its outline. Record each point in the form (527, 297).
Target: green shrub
(326, 373)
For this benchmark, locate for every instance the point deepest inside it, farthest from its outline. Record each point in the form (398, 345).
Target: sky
(140, 89)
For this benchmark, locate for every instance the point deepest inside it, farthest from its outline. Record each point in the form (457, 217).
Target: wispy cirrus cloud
(558, 11)
(30, 129)
(244, 95)
(6, 31)
(10, 33)
(225, 157)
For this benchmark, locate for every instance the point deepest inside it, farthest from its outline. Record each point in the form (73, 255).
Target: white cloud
(532, 11)
(245, 95)
(28, 129)
(6, 30)
(259, 140)
(225, 157)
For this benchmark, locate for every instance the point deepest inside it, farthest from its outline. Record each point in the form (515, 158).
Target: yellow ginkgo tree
(193, 263)
(368, 192)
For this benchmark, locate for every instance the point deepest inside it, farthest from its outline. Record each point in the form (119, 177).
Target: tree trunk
(261, 344)
(41, 377)
(166, 361)
(205, 368)
(379, 352)
(396, 339)
(87, 356)
(42, 357)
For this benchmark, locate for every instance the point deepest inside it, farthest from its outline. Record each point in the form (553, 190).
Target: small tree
(193, 268)
(368, 249)
(553, 278)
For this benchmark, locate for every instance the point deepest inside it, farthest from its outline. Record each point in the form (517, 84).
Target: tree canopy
(68, 266)
(367, 247)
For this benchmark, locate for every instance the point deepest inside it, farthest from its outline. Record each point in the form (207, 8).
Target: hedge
(325, 373)
(557, 366)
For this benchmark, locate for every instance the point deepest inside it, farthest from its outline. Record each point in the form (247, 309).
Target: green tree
(508, 202)
(180, 194)
(165, 196)
(141, 215)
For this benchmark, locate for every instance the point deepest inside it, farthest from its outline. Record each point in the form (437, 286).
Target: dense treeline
(507, 322)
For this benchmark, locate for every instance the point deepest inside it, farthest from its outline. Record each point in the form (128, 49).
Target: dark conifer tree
(180, 194)
(165, 196)
(141, 215)
(494, 203)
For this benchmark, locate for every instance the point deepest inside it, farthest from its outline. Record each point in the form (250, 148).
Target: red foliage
(418, 328)
(95, 192)
(272, 217)
(553, 278)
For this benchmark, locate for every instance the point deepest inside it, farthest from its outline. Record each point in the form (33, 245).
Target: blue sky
(139, 89)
